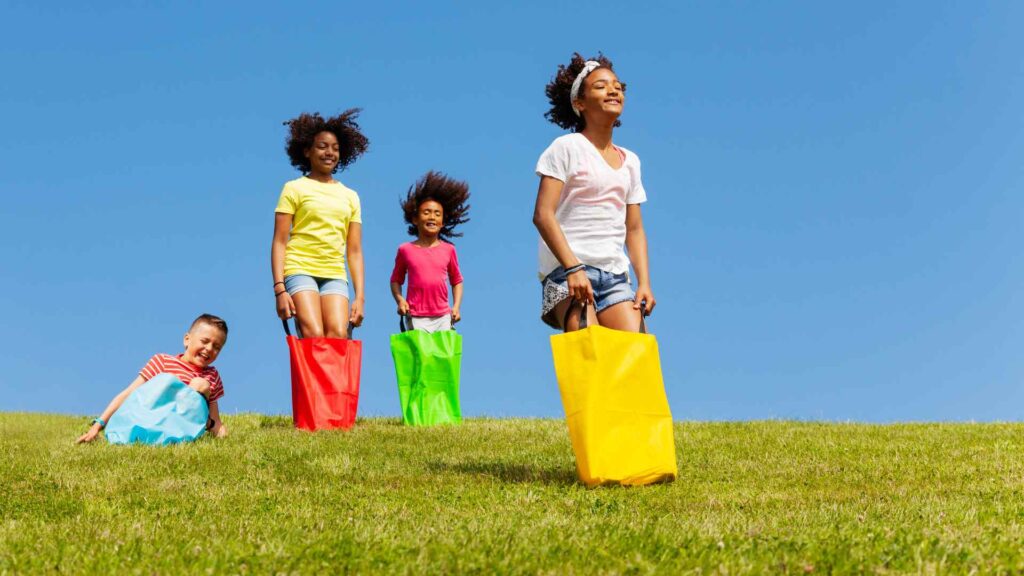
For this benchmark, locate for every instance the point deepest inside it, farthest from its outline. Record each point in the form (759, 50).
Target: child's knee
(312, 332)
(336, 332)
(201, 385)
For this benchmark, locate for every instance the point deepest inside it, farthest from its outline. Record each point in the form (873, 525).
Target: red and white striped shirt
(175, 366)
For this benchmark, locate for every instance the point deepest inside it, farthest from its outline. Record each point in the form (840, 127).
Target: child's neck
(599, 134)
(427, 241)
(321, 177)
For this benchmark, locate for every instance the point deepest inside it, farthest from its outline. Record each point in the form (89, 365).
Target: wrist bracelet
(276, 294)
(100, 422)
(575, 268)
(279, 282)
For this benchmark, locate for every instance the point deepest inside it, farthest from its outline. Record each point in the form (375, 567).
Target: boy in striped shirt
(194, 367)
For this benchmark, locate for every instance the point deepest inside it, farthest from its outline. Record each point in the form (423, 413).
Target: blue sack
(162, 411)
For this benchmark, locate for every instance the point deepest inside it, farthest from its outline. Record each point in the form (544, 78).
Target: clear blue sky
(835, 193)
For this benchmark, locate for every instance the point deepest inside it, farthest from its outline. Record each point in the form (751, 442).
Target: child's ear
(184, 340)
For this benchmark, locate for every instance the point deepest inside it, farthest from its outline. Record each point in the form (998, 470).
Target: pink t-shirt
(430, 271)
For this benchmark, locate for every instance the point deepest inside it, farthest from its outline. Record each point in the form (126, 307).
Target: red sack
(325, 380)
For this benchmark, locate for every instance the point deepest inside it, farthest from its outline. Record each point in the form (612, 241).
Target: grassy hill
(500, 496)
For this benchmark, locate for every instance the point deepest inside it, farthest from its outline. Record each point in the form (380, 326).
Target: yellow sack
(614, 399)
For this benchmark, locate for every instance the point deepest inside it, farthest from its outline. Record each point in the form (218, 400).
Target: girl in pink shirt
(434, 206)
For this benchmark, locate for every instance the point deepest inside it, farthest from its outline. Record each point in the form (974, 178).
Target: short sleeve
(152, 368)
(357, 209)
(454, 274)
(398, 274)
(288, 203)
(216, 385)
(637, 194)
(554, 162)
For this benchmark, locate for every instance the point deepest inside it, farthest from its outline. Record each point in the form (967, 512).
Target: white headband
(575, 92)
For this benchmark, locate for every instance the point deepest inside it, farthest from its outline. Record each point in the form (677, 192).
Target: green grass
(500, 496)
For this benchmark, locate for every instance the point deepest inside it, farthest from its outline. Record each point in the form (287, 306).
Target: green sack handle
(583, 316)
(287, 331)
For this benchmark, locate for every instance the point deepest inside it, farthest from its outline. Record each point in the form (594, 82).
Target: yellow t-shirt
(321, 214)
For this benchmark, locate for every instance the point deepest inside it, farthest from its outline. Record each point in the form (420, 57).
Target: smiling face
(323, 154)
(202, 345)
(602, 94)
(429, 219)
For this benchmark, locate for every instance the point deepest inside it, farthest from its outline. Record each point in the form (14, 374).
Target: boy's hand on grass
(456, 315)
(90, 435)
(219, 430)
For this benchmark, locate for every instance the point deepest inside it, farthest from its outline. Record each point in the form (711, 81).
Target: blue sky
(835, 193)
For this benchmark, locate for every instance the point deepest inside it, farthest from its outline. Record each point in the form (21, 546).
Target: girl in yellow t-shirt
(318, 226)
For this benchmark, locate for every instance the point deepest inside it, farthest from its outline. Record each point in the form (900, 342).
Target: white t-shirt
(592, 207)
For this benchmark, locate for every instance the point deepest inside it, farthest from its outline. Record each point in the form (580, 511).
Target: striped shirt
(175, 366)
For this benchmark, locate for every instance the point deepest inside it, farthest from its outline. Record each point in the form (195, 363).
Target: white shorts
(432, 323)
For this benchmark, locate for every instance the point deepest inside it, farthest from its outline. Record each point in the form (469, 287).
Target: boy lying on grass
(203, 343)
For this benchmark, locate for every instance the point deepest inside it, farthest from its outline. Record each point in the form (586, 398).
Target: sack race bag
(325, 380)
(427, 367)
(615, 404)
(162, 411)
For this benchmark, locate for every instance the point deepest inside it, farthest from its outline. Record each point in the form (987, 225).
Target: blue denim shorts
(302, 282)
(609, 289)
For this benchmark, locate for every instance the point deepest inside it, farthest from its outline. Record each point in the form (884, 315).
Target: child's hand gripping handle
(285, 305)
(405, 322)
(579, 285)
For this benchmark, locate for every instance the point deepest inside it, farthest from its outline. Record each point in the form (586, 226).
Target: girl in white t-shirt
(588, 206)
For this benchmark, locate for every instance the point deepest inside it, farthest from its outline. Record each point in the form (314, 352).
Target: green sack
(427, 368)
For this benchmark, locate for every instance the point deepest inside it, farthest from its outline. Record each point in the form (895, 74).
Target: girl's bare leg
(307, 313)
(335, 315)
(620, 316)
(574, 318)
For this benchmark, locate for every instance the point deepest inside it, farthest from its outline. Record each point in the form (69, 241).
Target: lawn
(501, 496)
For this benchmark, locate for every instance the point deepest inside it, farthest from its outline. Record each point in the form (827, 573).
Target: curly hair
(303, 129)
(450, 193)
(559, 90)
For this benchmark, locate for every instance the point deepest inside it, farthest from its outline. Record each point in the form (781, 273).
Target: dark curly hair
(559, 89)
(304, 128)
(450, 193)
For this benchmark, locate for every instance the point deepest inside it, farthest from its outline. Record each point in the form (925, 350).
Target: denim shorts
(609, 289)
(302, 282)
